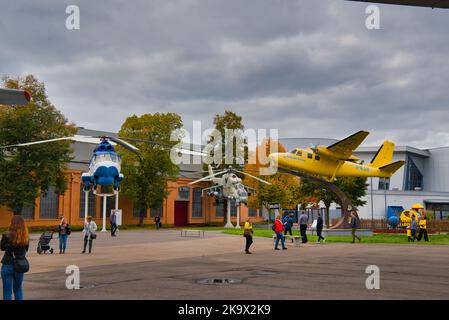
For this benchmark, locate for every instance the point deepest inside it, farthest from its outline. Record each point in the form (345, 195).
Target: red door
(181, 213)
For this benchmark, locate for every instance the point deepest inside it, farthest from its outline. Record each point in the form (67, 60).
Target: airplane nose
(274, 158)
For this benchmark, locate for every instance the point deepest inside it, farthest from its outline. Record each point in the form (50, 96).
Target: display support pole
(103, 229)
(237, 226)
(86, 204)
(116, 205)
(228, 216)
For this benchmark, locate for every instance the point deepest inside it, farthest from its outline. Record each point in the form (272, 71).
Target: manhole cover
(219, 281)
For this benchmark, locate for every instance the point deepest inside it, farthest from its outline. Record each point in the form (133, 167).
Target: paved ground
(162, 265)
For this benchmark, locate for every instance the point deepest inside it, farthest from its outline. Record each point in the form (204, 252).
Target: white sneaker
(324, 240)
(317, 242)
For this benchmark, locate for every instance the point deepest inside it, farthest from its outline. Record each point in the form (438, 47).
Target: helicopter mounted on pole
(228, 186)
(104, 165)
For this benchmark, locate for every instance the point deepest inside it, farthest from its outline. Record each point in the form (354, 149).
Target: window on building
(49, 204)
(384, 184)
(137, 209)
(156, 211)
(28, 213)
(91, 204)
(197, 203)
(414, 178)
(110, 204)
(219, 210)
(252, 212)
(184, 193)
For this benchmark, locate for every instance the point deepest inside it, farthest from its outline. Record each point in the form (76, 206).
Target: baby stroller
(44, 242)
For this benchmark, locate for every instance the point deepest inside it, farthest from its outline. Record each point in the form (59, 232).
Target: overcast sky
(308, 67)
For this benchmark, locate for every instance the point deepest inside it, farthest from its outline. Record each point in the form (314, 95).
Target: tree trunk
(143, 213)
(327, 216)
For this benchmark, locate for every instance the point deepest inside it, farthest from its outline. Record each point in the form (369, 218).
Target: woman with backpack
(15, 243)
(63, 231)
(89, 233)
(278, 228)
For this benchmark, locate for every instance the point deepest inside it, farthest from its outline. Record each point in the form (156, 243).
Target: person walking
(157, 221)
(319, 228)
(423, 229)
(63, 232)
(15, 243)
(288, 225)
(89, 233)
(113, 222)
(413, 228)
(248, 234)
(303, 220)
(354, 225)
(278, 229)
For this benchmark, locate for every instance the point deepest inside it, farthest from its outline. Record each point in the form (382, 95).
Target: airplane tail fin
(392, 167)
(384, 155)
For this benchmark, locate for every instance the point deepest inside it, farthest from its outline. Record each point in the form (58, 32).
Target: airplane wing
(444, 4)
(13, 96)
(346, 147)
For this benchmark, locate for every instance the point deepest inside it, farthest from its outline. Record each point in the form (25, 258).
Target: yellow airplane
(337, 160)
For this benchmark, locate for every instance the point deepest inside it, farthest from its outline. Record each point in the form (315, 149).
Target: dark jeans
(303, 230)
(85, 244)
(423, 232)
(12, 281)
(113, 228)
(318, 232)
(288, 230)
(413, 232)
(354, 236)
(62, 242)
(249, 241)
(280, 236)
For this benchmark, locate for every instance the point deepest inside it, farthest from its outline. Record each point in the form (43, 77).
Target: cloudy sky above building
(307, 67)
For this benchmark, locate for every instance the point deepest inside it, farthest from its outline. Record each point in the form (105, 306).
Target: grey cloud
(308, 68)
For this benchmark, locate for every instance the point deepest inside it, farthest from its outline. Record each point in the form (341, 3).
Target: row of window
(309, 155)
(49, 206)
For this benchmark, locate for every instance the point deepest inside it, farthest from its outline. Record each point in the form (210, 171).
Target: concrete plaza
(150, 264)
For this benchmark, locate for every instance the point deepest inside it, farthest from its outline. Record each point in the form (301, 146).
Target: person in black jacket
(319, 228)
(354, 225)
(15, 244)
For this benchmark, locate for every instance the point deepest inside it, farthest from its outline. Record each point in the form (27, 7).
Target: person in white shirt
(89, 233)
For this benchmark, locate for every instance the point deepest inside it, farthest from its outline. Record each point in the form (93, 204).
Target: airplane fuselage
(308, 162)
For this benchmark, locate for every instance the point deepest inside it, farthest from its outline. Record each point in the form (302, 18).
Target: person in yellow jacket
(423, 229)
(248, 234)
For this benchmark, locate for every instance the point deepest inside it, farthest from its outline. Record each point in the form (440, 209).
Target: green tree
(146, 176)
(224, 124)
(26, 171)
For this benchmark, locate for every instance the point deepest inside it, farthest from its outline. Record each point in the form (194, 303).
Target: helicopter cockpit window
(299, 153)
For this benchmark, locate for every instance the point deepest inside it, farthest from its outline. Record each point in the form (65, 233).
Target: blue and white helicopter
(105, 163)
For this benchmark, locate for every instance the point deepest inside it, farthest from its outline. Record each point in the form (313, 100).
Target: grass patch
(441, 239)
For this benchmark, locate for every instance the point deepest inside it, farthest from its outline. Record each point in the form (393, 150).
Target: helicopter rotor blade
(208, 177)
(37, 142)
(254, 177)
(123, 144)
(167, 146)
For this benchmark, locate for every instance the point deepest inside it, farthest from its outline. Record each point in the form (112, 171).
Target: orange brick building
(185, 204)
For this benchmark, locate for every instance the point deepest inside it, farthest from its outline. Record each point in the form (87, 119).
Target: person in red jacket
(279, 228)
